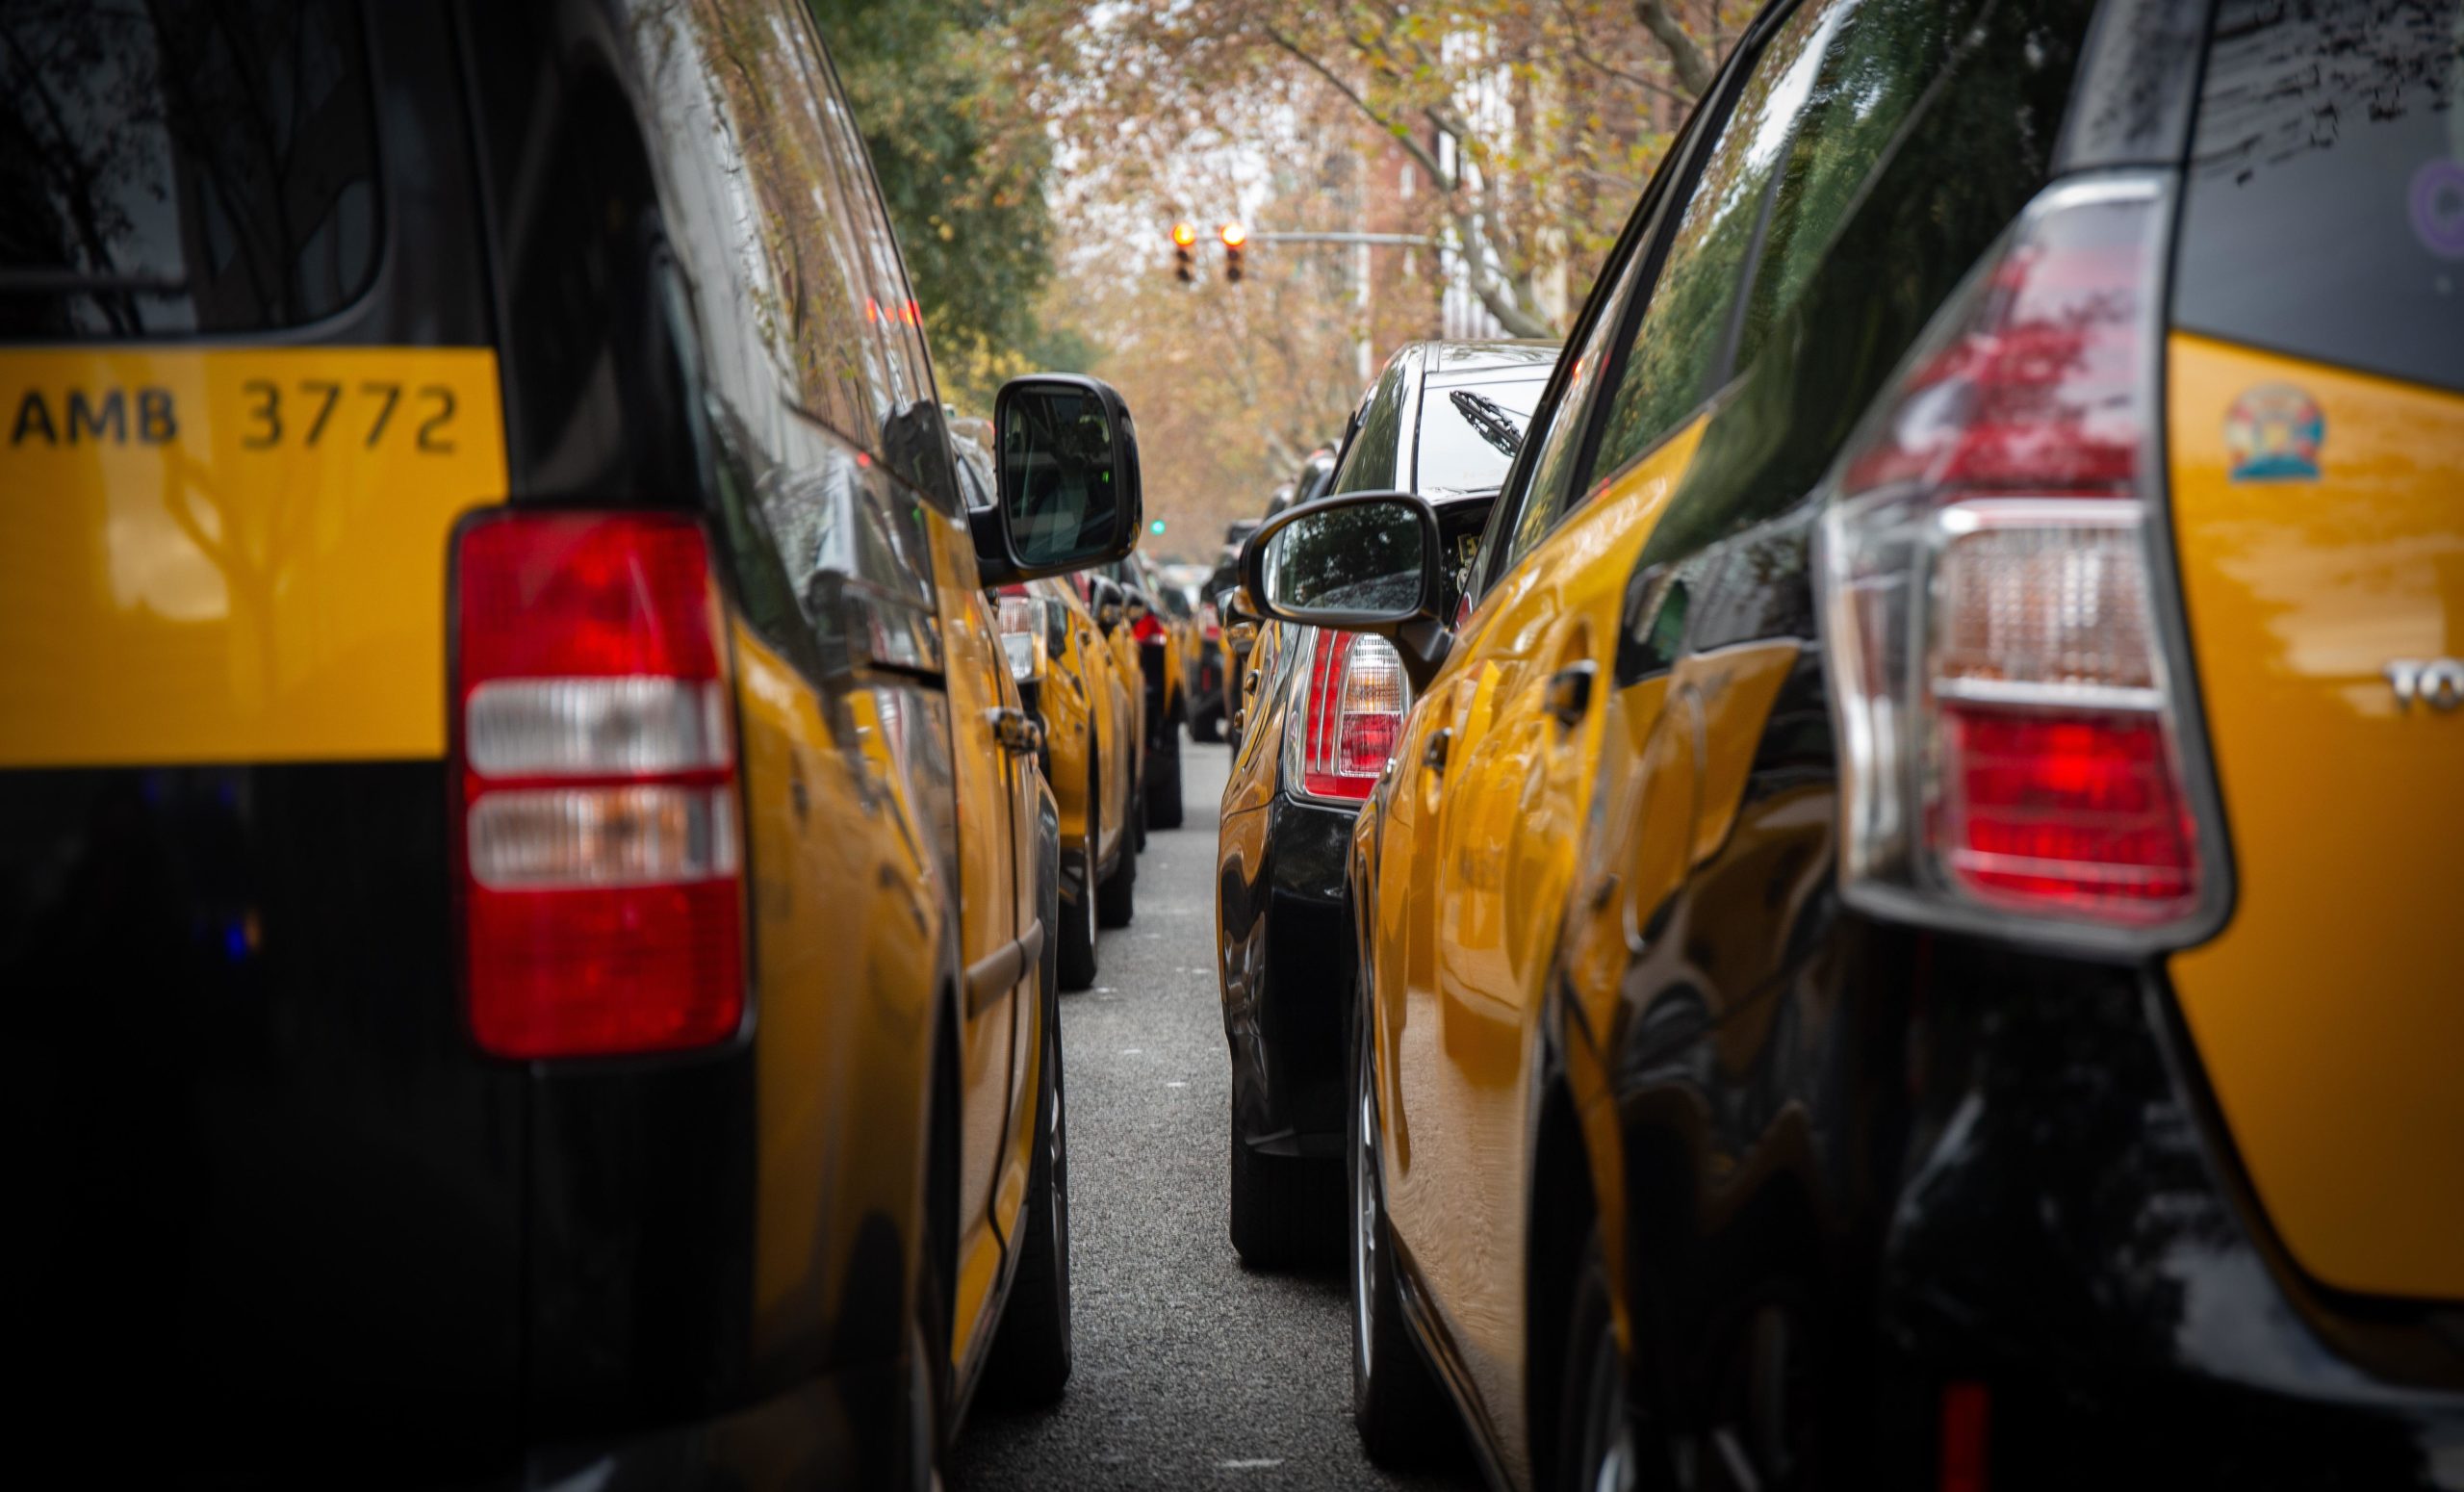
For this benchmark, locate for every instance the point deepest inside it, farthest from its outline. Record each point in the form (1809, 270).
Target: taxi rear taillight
(2003, 669)
(1149, 630)
(594, 763)
(1352, 712)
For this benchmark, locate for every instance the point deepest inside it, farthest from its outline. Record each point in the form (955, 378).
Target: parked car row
(1893, 930)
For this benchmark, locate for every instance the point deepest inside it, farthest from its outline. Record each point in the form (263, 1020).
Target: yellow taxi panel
(2327, 1013)
(225, 555)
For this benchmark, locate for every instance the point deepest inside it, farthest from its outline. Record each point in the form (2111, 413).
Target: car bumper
(2073, 1233)
(842, 1428)
(1288, 963)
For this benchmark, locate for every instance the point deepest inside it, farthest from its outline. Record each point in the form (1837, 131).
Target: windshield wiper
(1489, 419)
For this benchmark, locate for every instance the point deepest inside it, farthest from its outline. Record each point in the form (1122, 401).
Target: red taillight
(1209, 625)
(1149, 630)
(1968, 1417)
(595, 760)
(1353, 710)
(2009, 739)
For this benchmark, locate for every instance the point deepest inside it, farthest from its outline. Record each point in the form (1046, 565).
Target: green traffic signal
(1157, 527)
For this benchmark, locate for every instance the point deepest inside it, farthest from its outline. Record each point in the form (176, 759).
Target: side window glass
(803, 285)
(1684, 336)
(1543, 499)
(1369, 459)
(1882, 56)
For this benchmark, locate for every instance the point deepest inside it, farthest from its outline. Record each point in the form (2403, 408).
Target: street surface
(1191, 1370)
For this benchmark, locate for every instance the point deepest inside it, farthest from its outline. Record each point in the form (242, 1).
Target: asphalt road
(1191, 1370)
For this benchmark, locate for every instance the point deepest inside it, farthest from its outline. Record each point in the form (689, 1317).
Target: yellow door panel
(234, 555)
(1517, 782)
(2328, 1013)
(976, 675)
(838, 902)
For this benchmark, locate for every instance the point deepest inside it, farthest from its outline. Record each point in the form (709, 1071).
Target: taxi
(1906, 939)
(525, 878)
(1069, 681)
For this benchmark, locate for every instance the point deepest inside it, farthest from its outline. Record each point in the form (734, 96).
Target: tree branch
(1685, 58)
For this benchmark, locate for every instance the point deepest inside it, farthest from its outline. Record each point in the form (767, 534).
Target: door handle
(1569, 696)
(1440, 741)
(1017, 735)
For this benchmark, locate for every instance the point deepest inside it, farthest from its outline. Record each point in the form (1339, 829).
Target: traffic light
(1156, 527)
(1183, 267)
(1233, 236)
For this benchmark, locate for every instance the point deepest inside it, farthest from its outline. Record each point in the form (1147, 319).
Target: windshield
(1469, 432)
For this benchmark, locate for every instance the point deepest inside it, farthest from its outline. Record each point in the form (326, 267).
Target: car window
(1880, 58)
(1684, 337)
(2331, 134)
(1560, 429)
(1368, 461)
(183, 171)
(1469, 433)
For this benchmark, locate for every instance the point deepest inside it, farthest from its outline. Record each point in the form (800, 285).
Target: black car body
(1442, 419)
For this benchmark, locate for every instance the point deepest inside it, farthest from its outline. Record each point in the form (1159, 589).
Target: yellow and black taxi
(1906, 939)
(1069, 683)
(525, 881)
(1446, 419)
(1159, 635)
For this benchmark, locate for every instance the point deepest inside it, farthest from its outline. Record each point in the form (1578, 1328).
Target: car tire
(1117, 899)
(1401, 1413)
(1599, 1444)
(1207, 728)
(1282, 1206)
(1032, 1355)
(1076, 952)
(1163, 781)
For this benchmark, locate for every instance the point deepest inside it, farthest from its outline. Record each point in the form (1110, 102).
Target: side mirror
(1069, 496)
(1356, 562)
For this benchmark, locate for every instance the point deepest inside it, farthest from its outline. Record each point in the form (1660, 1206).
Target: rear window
(182, 167)
(2325, 215)
(1470, 433)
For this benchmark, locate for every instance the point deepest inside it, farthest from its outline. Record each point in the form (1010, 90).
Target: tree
(1533, 122)
(963, 177)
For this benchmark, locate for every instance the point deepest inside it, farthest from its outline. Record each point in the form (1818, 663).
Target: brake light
(1149, 630)
(1352, 712)
(2010, 741)
(594, 763)
(1209, 626)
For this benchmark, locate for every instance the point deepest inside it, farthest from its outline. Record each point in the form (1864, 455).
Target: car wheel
(1599, 1449)
(1401, 1413)
(1031, 1357)
(1077, 915)
(1207, 727)
(1163, 781)
(1283, 1207)
(1116, 900)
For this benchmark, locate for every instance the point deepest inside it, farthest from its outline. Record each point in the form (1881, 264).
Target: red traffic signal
(1183, 267)
(1234, 235)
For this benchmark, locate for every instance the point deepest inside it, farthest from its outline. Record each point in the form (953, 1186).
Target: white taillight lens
(1025, 633)
(1351, 710)
(551, 838)
(628, 727)
(2000, 666)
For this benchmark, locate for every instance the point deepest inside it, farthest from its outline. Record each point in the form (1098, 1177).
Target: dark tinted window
(1560, 427)
(1368, 465)
(1683, 338)
(1876, 66)
(2325, 215)
(1469, 433)
(182, 169)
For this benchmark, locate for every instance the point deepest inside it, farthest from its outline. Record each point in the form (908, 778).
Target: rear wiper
(1490, 419)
